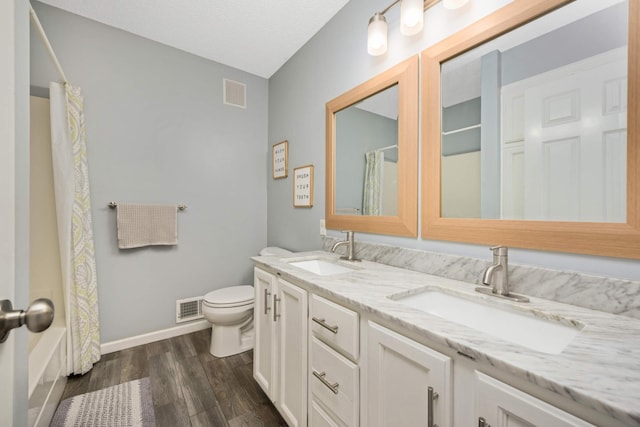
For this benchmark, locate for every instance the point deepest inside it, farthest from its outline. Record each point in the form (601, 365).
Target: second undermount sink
(322, 267)
(549, 335)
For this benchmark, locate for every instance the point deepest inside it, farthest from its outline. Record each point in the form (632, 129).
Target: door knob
(38, 317)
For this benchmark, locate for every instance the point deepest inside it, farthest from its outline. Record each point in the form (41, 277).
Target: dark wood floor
(190, 386)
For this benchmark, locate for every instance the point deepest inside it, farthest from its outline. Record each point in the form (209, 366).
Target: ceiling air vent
(234, 93)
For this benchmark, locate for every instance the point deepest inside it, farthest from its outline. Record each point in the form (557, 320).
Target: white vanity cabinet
(327, 361)
(334, 374)
(280, 351)
(407, 383)
(500, 405)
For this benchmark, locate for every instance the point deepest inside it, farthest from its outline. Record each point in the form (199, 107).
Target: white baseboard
(113, 346)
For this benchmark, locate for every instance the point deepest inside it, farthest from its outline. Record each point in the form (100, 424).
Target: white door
(572, 165)
(13, 372)
(7, 220)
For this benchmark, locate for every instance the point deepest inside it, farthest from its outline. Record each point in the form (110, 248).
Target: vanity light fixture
(411, 21)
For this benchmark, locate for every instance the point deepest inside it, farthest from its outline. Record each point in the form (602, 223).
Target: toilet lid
(231, 295)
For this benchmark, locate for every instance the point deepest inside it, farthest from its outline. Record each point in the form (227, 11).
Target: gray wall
(359, 131)
(335, 61)
(459, 116)
(586, 37)
(158, 132)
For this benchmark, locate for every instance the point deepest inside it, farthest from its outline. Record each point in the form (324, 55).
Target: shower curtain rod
(47, 45)
(388, 147)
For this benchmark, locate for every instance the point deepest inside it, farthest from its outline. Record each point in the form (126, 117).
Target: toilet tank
(274, 251)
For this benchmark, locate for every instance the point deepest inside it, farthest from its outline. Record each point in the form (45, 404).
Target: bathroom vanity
(348, 344)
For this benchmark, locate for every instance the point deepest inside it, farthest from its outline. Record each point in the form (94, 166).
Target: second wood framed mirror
(372, 155)
(530, 129)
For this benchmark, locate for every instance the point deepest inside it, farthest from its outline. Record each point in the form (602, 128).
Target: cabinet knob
(482, 422)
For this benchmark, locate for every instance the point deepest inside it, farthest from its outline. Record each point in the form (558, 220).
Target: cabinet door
(399, 374)
(291, 320)
(501, 405)
(264, 347)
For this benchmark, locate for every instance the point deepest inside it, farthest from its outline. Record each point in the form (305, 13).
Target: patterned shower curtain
(372, 195)
(75, 227)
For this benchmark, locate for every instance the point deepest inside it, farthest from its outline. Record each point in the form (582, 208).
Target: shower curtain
(372, 195)
(75, 228)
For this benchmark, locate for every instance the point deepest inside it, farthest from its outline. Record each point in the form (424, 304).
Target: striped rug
(127, 404)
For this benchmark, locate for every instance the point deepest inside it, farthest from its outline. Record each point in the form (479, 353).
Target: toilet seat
(233, 296)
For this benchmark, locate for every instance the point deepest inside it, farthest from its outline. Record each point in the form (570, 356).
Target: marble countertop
(599, 369)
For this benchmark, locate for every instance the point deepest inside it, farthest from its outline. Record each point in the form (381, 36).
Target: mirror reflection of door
(574, 163)
(367, 156)
(545, 130)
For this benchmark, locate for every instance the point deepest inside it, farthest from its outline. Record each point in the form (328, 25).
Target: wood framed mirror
(530, 127)
(372, 155)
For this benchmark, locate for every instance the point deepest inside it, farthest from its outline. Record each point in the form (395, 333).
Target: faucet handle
(499, 250)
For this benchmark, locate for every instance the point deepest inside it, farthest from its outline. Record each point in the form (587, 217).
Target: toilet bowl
(230, 312)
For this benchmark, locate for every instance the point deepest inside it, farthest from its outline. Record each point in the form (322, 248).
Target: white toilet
(230, 312)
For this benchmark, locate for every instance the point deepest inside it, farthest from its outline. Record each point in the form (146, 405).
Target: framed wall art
(280, 154)
(303, 187)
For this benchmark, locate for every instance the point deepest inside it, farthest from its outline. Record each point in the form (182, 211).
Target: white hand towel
(145, 225)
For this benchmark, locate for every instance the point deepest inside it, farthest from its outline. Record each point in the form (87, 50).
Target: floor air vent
(234, 93)
(188, 309)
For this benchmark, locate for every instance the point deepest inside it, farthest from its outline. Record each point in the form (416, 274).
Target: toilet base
(230, 340)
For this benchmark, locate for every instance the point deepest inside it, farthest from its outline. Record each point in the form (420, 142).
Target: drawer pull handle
(324, 324)
(431, 396)
(275, 307)
(266, 301)
(321, 377)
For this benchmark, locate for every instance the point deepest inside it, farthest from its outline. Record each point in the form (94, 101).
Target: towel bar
(113, 205)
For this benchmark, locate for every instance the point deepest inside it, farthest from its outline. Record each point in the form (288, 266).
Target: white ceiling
(257, 36)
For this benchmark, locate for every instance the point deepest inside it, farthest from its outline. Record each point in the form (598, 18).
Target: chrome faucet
(350, 247)
(497, 276)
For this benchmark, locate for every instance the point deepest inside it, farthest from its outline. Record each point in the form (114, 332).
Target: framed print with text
(303, 187)
(280, 153)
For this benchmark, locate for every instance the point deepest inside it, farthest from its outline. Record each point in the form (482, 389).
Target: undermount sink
(321, 267)
(521, 327)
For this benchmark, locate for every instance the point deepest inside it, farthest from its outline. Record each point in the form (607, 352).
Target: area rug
(127, 404)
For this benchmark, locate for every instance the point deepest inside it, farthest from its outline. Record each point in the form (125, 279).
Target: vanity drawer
(334, 382)
(335, 325)
(319, 418)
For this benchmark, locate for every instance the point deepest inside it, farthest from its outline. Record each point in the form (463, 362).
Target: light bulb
(453, 4)
(411, 17)
(377, 35)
